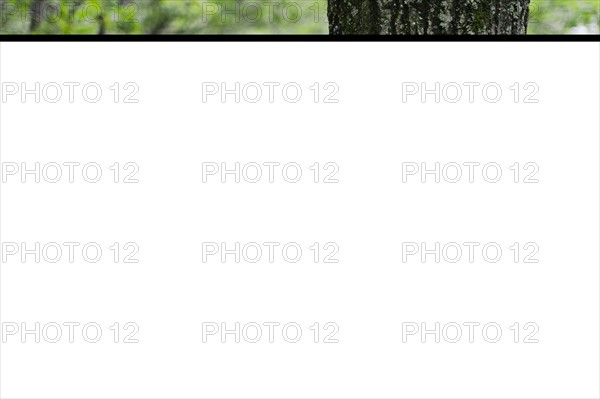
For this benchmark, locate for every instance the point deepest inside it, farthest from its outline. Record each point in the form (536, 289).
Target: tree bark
(36, 9)
(428, 17)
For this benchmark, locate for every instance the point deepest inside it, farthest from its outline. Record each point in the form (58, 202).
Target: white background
(369, 213)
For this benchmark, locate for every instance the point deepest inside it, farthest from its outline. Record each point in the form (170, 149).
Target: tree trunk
(428, 17)
(36, 10)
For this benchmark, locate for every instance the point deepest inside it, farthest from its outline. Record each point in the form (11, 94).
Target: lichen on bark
(428, 17)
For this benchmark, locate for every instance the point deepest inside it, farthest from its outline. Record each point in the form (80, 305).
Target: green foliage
(231, 16)
(163, 16)
(564, 16)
